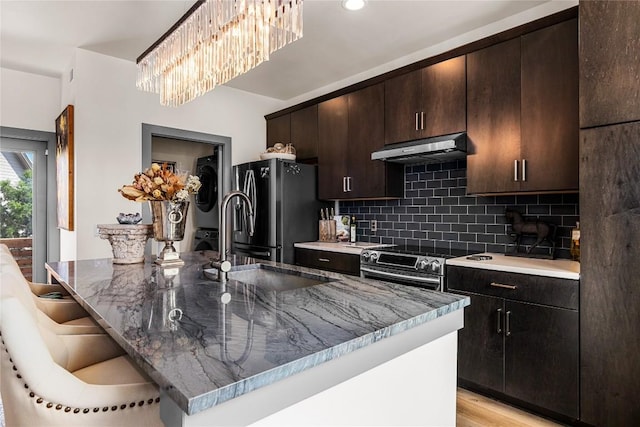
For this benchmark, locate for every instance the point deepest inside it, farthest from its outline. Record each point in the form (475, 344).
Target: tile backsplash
(436, 212)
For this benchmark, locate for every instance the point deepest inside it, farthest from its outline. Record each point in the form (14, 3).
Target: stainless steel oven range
(408, 265)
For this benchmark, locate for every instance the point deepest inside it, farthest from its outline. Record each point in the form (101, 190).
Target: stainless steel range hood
(431, 150)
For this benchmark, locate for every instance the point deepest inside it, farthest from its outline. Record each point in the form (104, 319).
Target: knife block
(327, 230)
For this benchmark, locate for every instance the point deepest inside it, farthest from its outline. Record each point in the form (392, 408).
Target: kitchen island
(322, 348)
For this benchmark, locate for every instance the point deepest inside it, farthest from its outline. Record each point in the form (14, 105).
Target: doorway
(26, 183)
(169, 142)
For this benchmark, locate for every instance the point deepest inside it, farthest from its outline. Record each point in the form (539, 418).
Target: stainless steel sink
(270, 277)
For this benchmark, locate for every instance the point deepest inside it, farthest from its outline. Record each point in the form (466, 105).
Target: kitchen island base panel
(405, 379)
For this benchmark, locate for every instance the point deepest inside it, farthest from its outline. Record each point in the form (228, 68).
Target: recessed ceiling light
(353, 4)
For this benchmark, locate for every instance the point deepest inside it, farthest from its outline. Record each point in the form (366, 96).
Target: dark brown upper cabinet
(350, 128)
(426, 102)
(522, 113)
(609, 66)
(299, 128)
(279, 130)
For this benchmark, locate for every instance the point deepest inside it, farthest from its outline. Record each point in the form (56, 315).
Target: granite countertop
(205, 343)
(342, 247)
(560, 268)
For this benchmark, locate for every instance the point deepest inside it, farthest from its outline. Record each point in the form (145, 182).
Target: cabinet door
(493, 118)
(279, 130)
(609, 55)
(550, 108)
(480, 342)
(444, 97)
(333, 122)
(304, 133)
(366, 134)
(541, 356)
(402, 101)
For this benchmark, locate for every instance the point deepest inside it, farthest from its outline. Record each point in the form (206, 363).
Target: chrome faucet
(224, 265)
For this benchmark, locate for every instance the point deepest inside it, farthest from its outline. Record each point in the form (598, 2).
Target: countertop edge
(223, 394)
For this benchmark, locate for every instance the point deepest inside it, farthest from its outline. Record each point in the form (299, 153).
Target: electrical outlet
(374, 225)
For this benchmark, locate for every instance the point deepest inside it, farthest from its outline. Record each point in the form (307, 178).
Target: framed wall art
(64, 168)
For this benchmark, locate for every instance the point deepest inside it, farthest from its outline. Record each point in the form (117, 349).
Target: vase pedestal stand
(127, 241)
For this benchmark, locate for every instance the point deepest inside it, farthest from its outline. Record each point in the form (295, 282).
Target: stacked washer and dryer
(207, 213)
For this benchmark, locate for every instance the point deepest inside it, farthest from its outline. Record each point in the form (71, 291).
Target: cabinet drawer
(331, 261)
(515, 286)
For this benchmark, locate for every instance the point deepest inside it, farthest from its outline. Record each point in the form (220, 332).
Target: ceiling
(41, 36)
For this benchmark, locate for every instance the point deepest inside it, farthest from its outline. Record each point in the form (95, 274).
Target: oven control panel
(382, 260)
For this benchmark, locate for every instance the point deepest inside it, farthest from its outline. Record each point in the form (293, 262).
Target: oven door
(433, 282)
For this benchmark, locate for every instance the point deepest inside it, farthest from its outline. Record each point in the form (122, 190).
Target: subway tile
(441, 192)
(405, 218)
(432, 167)
(443, 209)
(427, 209)
(413, 226)
(441, 175)
(410, 177)
(434, 201)
(419, 201)
(450, 201)
(498, 249)
(563, 209)
(419, 185)
(477, 209)
(435, 235)
(528, 199)
(457, 191)
(434, 218)
(413, 209)
(462, 228)
(451, 218)
(450, 183)
(459, 245)
(459, 209)
(550, 199)
(427, 226)
(477, 228)
(434, 184)
(451, 237)
(420, 235)
(467, 200)
(476, 247)
(443, 227)
(467, 237)
(419, 218)
(426, 176)
(571, 199)
(406, 234)
(426, 193)
(538, 210)
(486, 238)
(468, 219)
(486, 219)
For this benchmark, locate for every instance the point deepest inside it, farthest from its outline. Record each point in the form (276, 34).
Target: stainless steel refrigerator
(284, 197)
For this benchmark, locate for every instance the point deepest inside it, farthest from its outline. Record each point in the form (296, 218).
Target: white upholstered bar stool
(62, 316)
(69, 380)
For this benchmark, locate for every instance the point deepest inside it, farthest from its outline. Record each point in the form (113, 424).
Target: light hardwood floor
(475, 410)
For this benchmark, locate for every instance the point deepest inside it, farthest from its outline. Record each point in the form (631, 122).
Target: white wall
(29, 101)
(109, 112)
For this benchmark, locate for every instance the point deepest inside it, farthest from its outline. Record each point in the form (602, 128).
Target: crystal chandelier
(215, 41)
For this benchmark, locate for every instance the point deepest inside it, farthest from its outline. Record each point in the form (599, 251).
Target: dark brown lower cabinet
(330, 261)
(520, 350)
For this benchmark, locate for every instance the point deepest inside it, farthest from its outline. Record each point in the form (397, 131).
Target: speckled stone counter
(205, 343)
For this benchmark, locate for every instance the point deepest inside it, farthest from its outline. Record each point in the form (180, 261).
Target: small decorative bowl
(129, 218)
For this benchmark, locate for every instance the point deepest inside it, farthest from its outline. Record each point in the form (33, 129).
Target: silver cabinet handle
(507, 324)
(348, 183)
(422, 117)
(499, 328)
(417, 122)
(500, 285)
(344, 184)
(515, 170)
(324, 260)
(524, 170)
